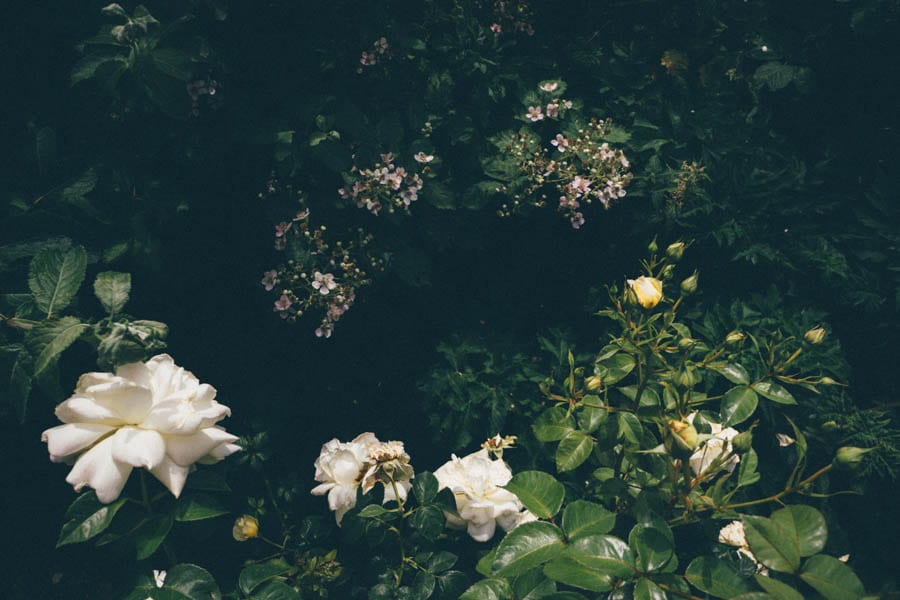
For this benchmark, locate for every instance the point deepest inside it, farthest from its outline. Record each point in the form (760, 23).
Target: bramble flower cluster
(370, 57)
(342, 467)
(202, 88)
(512, 16)
(580, 168)
(316, 275)
(386, 186)
(688, 179)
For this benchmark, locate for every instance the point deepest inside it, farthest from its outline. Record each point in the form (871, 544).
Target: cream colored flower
(388, 462)
(716, 449)
(733, 534)
(340, 467)
(647, 290)
(153, 415)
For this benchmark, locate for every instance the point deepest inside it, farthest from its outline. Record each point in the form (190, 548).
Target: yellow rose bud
(689, 285)
(815, 335)
(734, 338)
(684, 435)
(245, 528)
(675, 251)
(652, 247)
(593, 383)
(647, 291)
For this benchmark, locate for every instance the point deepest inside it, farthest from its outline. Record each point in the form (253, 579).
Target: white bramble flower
(534, 114)
(422, 158)
(153, 415)
(550, 86)
(482, 504)
(324, 282)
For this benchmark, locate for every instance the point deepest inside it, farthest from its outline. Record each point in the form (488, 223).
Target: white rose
(717, 446)
(647, 290)
(340, 467)
(482, 504)
(153, 415)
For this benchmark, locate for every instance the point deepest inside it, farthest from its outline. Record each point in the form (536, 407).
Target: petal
(138, 447)
(96, 468)
(188, 449)
(173, 416)
(342, 498)
(171, 475)
(403, 488)
(321, 489)
(124, 398)
(85, 409)
(219, 453)
(136, 372)
(482, 532)
(65, 440)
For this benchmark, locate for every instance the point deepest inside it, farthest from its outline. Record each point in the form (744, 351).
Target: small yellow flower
(815, 335)
(647, 290)
(245, 528)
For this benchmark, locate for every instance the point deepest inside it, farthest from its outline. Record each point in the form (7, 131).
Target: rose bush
(153, 415)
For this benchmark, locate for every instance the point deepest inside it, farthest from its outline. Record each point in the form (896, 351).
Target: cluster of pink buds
(371, 57)
(385, 186)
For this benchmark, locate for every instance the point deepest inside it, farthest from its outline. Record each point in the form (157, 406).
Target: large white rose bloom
(482, 504)
(340, 467)
(153, 415)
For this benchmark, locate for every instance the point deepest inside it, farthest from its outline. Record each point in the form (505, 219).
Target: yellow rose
(245, 528)
(648, 290)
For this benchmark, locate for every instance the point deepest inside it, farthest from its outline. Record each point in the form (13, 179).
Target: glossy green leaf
(488, 589)
(605, 554)
(441, 561)
(540, 492)
(533, 585)
(451, 584)
(716, 577)
(371, 511)
(421, 588)
(582, 518)
(54, 277)
(277, 590)
(526, 547)
(570, 572)
(747, 473)
(151, 533)
(552, 424)
(733, 372)
(428, 521)
(86, 518)
(832, 578)
(630, 429)
(654, 549)
(20, 381)
(645, 589)
(738, 405)
(255, 574)
(774, 392)
(197, 507)
(807, 526)
(49, 339)
(564, 596)
(192, 582)
(574, 448)
(425, 487)
(777, 589)
(614, 368)
(590, 417)
(772, 544)
(113, 289)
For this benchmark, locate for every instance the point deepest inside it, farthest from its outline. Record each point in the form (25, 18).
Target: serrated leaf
(428, 521)
(277, 590)
(772, 544)
(54, 277)
(197, 507)
(254, 575)
(49, 339)
(79, 187)
(87, 518)
(832, 578)
(574, 448)
(738, 405)
(112, 289)
(630, 429)
(526, 547)
(582, 518)
(540, 492)
(774, 392)
(716, 577)
(645, 589)
(747, 473)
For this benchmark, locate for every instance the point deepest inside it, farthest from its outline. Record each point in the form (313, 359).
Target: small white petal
(85, 409)
(96, 468)
(66, 440)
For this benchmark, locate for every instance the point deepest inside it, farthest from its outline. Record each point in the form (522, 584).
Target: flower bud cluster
(512, 16)
(687, 179)
(316, 275)
(386, 186)
(378, 52)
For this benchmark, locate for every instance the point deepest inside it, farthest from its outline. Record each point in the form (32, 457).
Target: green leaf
(371, 511)
(582, 518)
(254, 575)
(738, 405)
(207, 480)
(747, 473)
(716, 577)
(776, 75)
(112, 289)
(488, 589)
(441, 561)
(197, 507)
(774, 392)
(526, 547)
(87, 66)
(87, 518)
(645, 589)
(772, 544)
(777, 589)
(605, 554)
(428, 521)
(150, 534)
(553, 424)
(191, 582)
(541, 493)
(630, 429)
(54, 277)
(277, 590)
(832, 578)
(451, 584)
(590, 417)
(532, 585)
(573, 450)
(733, 372)
(20, 384)
(567, 571)
(654, 549)
(615, 368)
(807, 526)
(49, 339)
(421, 588)
(425, 487)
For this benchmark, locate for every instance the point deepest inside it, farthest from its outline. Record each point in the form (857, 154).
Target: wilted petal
(171, 475)
(96, 468)
(65, 440)
(138, 447)
(188, 449)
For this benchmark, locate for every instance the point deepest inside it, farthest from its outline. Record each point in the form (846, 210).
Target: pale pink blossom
(324, 282)
(270, 278)
(534, 114)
